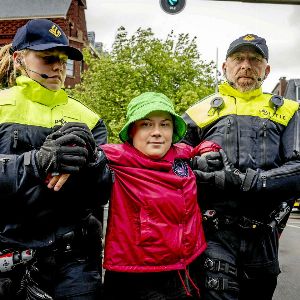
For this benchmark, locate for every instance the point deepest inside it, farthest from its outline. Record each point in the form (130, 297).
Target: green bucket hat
(142, 105)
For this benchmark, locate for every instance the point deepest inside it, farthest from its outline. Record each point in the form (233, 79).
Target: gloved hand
(207, 162)
(62, 154)
(227, 177)
(234, 177)
(82, 131)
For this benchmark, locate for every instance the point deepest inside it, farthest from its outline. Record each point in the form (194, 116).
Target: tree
(143, 63)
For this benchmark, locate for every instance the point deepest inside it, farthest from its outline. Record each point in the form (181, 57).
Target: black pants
(68, 270)
(239, 264)
(169, 285)
(73, 279)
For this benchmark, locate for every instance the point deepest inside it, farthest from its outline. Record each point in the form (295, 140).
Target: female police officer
(53, 235)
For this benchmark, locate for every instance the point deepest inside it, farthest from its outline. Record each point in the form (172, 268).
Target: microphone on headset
(262, 79)
(232, 83)
(43, 75)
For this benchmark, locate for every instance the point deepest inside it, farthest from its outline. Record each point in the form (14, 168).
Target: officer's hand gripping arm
(206, 157)
(225, 178)
(61, 154)
(82, 131)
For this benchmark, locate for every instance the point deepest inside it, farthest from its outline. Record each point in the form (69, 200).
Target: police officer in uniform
(246, 203)
(50, 241)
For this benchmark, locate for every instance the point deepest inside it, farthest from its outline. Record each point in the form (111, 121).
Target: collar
(144, 161)
(228, 90)
(37, 93)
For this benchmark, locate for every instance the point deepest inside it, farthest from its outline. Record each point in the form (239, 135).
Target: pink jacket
(154, 221)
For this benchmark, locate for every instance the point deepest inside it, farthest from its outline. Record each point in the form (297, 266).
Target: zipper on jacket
(4, 162)
(228, 126)
(264, 181)
(264, 142)
(15, 138)
(228, 149)
(278, 175)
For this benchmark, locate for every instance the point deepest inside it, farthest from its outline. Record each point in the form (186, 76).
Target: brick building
(288, 88)
(68, 14)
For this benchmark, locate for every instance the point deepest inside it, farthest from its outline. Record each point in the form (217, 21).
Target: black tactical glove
(216, 178)
(234, 177)
(207, 162)
(62, 154)
(227, 177)
(82, 131)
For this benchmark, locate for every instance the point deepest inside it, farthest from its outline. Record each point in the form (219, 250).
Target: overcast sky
(215, 23)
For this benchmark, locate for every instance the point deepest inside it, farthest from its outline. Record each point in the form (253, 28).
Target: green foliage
(141, 63)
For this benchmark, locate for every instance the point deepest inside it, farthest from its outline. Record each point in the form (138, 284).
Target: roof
(28, 9)
(290, 91)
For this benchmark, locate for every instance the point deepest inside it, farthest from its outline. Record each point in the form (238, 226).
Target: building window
(298, 93)
(70, 68)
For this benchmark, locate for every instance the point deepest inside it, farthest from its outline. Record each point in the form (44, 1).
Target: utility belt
(83, 241)
(10, 259)
(214, 220)
(22, 271)
(17, 283)
(66, 243)
(71, 243)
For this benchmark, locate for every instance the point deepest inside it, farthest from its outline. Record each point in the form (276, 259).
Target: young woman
(58, 230)
(154, 231)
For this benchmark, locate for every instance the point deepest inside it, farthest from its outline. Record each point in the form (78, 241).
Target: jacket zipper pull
(264, 181)
(228, 125)
(15, 138)
(265, 129)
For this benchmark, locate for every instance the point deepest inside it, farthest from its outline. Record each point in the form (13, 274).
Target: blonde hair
(8, 71)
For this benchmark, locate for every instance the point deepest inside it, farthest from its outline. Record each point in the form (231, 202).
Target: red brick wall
(74, 27)
(8, 30)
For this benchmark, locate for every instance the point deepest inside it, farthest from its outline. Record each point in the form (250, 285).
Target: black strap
(246, 223)
(216, 265)
(221, 284)
(248, 181)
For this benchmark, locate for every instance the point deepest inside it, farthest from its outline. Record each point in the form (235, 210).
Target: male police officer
(243, 203)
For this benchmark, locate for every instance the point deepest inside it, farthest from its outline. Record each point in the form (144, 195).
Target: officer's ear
(18, 59)
(267, 71)
(224, 68)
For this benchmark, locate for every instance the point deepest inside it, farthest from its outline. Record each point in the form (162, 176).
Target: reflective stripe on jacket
(254, 134)
(33, 213)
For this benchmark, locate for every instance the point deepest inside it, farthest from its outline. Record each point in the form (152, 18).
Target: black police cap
(43, 34)
(257, 42)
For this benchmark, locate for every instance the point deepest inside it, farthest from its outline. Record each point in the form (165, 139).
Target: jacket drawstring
(191, 281)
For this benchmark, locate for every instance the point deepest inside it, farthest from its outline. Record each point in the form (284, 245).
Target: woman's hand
(57, 181)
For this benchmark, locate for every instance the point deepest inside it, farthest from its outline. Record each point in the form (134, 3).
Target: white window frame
(298, 93)
(70, 68)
